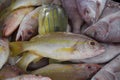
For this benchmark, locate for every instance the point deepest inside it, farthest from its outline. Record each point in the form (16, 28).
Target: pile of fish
(59, 40)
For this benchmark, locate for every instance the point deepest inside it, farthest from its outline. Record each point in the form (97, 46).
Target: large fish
(90, 10)
(29, 77)
(71, 9)
(110, 71)
(68, 71)
(27, 3)
(61, 46)
(111, 51)
(106, 29)
(29, 26)
(4, 52)
(14, 19)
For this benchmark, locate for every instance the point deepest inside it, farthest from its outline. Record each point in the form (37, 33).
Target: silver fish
(71, 9)
(110, 71)
(106, 29)
(91, 10)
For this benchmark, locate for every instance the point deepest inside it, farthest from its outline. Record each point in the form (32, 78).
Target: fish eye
(92, 43)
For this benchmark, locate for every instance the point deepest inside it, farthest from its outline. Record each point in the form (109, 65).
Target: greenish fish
(60, 46)
(68, 71)
(52, 18)
(4, 51)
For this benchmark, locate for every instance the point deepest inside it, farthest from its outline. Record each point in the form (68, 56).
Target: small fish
(4, 51)
(106, 29)
(68, 71)
(60, 46)
(91, 10)
(27, 3)
(29, 26)
(71, 9)
(14, 19)
(29, 77)
(111, 71)
(111, 51)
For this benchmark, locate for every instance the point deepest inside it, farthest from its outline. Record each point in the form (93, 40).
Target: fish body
(29, 25)
(91, 10)
(61, 46)
(71, 9)
(28, 77)
(4, 51)
(106, 29)
(52, 18)
(27, 3)
(13, 20)
(110, 7)
(111, 71)
(68, 71)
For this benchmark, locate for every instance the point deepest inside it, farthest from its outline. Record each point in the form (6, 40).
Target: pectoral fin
(67, 50)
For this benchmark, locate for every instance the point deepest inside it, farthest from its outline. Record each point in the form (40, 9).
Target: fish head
(98, 31)
(4, 51)
(89, 48)
(91, 68)
(87, 9)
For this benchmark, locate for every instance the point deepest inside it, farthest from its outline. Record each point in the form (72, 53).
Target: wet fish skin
(91, 10)
(68, 71)
(110, 7)
(13, 20)
(4, 51)
(111, 51)
(61, 46)
(110, 71)
(27, 3)
(29, 25)
(28, 77)
(71, 9)
(106, 29)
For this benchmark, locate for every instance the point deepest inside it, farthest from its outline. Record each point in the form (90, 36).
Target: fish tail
(16, 48)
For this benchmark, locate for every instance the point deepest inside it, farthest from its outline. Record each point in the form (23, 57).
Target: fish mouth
(99, 51)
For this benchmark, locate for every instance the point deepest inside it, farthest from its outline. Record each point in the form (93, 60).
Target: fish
(111, 51)
(110, 7)
(75, 18)
(90, 10)
(28, 77)
(106, 29)
(60, 46)
(68, 71)
(29, 26)
(4, 51)
(9, 71)
(13, 20)
(111, 71)
(28, 3)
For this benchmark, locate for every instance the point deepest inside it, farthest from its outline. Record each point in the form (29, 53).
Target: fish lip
(101, 50)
